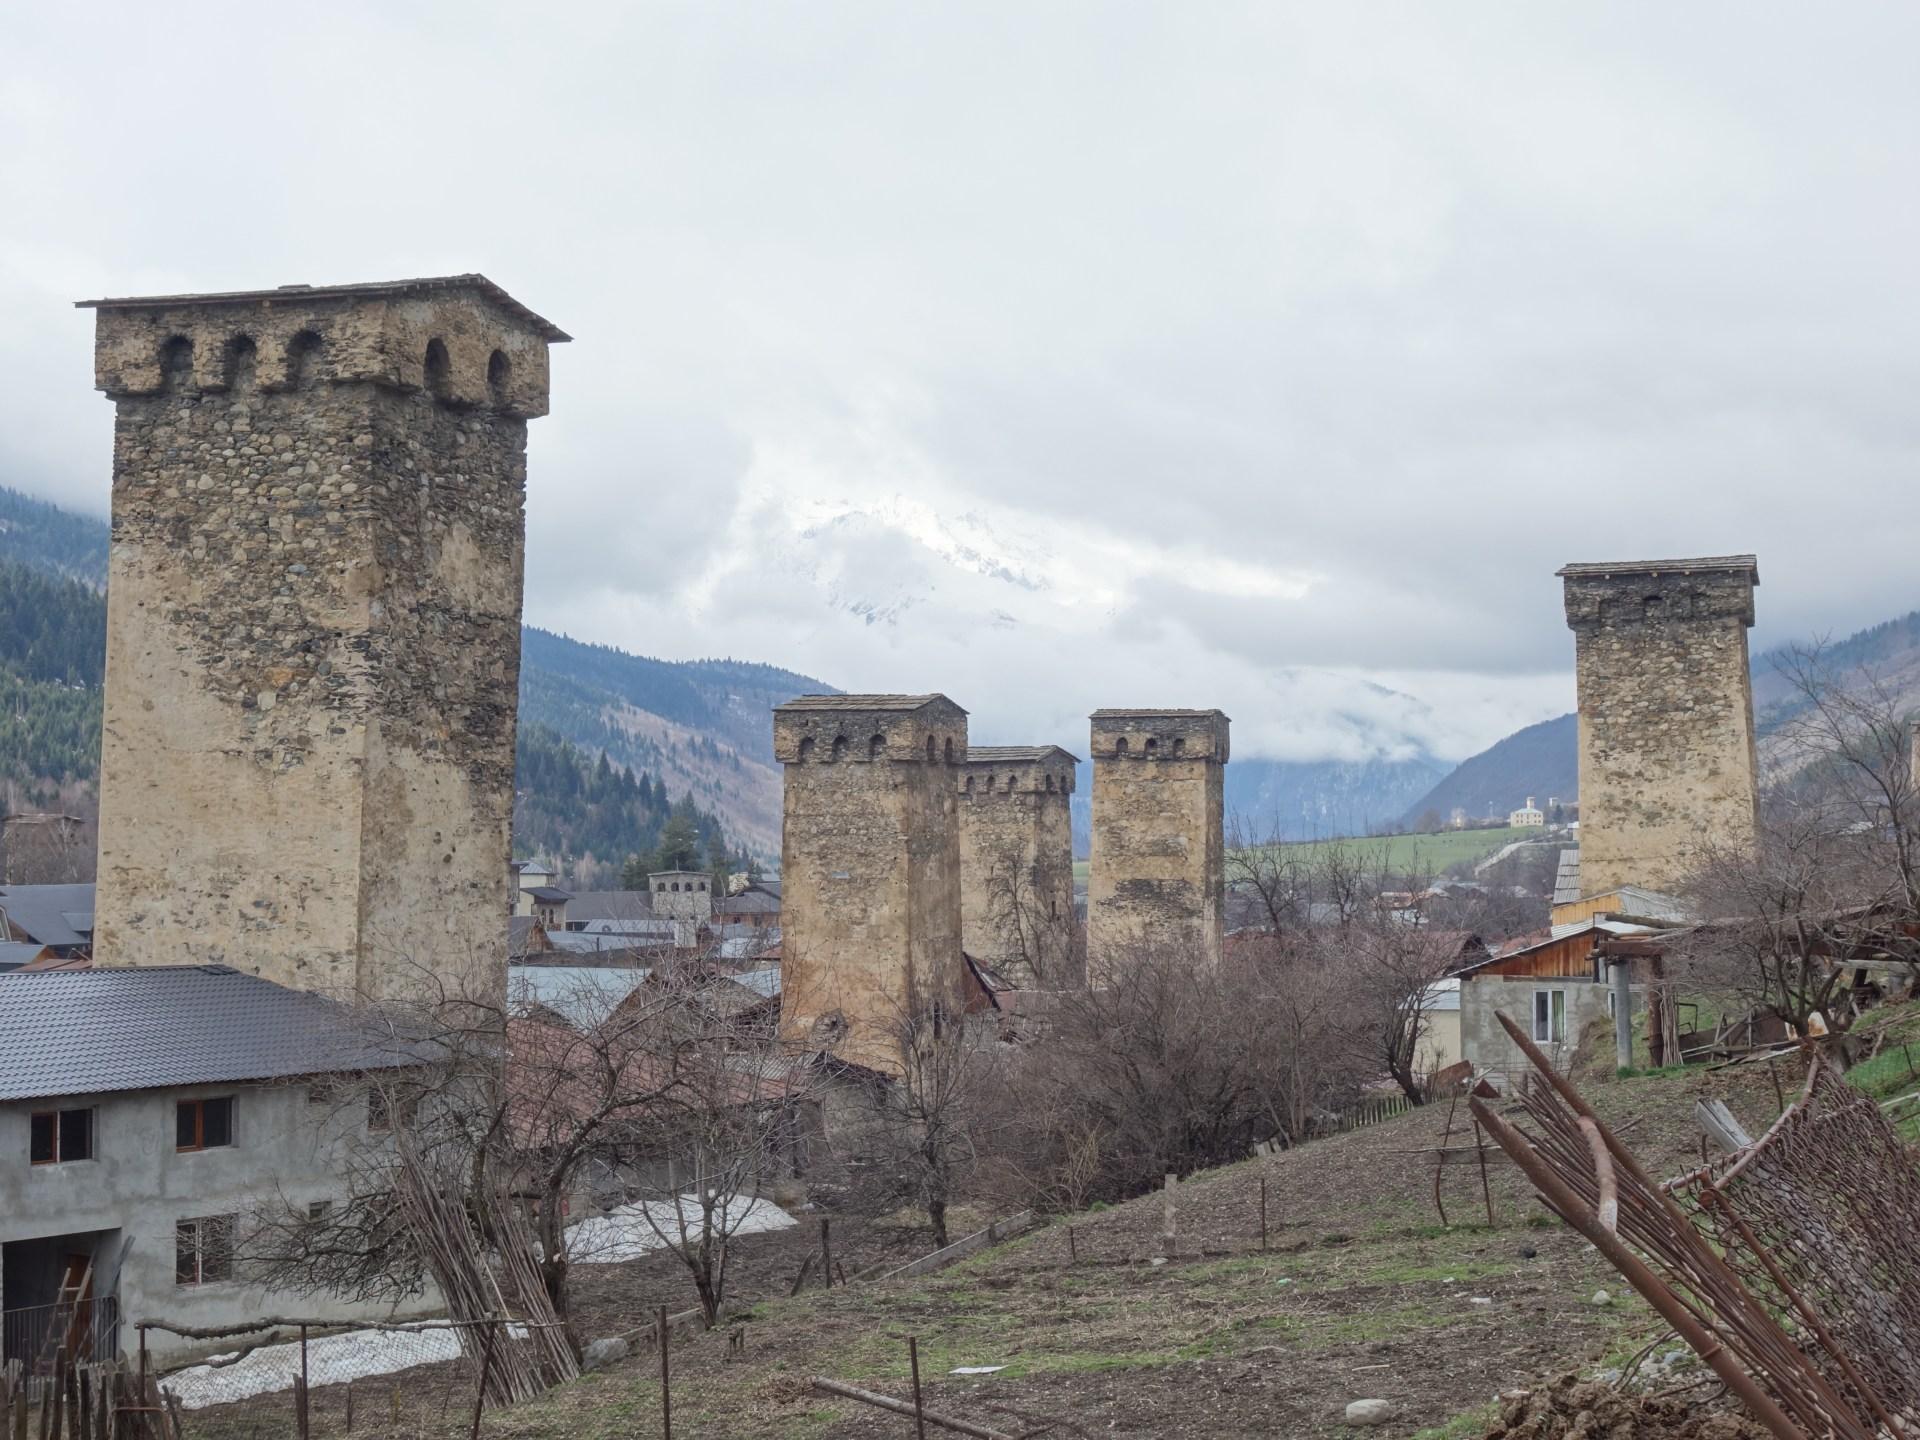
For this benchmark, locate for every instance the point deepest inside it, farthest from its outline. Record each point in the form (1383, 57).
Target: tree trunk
(937, 1217)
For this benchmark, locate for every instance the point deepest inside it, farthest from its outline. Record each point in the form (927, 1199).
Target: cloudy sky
(1056, 355)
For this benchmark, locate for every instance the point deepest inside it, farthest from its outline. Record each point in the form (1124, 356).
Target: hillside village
(324, 1112)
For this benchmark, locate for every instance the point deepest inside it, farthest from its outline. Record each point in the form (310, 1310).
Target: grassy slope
(1363, 1293)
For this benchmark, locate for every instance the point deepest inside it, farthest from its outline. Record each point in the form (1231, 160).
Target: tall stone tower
(1666, 715)
(1016, 861)
(870, 869)
(1158, 871)
(313, 629)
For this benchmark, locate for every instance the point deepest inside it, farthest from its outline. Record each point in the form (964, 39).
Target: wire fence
(424, 1382)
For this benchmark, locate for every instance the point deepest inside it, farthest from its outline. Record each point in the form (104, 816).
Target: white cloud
(1056, 356)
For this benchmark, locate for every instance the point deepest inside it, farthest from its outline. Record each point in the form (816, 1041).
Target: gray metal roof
(763, 982)
(582, 995)
(90, 1032)
(581, 942)
(609, 905)
(51, 914)
(15, 953)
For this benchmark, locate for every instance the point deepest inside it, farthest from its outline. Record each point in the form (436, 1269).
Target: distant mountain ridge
(704, 727)
(1543, 760)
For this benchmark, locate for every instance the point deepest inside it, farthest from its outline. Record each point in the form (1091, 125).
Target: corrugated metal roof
(87, 1032)
(582, 995)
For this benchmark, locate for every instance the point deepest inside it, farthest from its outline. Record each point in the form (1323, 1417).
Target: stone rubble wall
(1016, 866)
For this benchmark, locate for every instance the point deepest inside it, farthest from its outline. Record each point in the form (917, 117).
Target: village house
(1554, 987)
(145, 1116)
(57, 917)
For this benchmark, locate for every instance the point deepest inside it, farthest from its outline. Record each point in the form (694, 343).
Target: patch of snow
(976, 1369)
(331, 1360)
(632, 1231)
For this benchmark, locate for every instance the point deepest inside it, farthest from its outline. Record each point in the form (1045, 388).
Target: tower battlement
(1160, 735)
(460, 338)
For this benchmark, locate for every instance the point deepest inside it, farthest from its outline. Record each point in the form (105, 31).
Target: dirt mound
(1575, 1409)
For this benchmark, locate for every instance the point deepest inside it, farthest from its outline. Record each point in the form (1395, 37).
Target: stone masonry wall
(1016, 863)
(870, 870)
(1157, 873)
(1666, 721)
(313, 635)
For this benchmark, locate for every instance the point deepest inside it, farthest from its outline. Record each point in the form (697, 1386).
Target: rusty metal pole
(919, 1410)
(1263, 1212)
(666, 1395)
(1685, 1323)
(826, 1249)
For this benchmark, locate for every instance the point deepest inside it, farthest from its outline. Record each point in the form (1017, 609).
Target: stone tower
(686, 898)
(1666, 715)
(313, 629)
(870, 869)
(1016, 861)
(1158, 870)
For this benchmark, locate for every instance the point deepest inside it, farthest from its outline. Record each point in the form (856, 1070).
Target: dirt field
(1102, 1329)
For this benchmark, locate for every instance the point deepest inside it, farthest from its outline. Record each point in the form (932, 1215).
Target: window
(58, 1136)
(203, 1250)
(380, 1110)
(318, 1211)
(203, 1124)
(1549, 1016)
(321, 1092)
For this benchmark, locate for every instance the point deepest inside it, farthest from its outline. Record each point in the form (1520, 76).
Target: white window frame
(1544, 1006)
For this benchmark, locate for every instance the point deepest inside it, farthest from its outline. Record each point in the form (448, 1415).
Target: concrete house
(145, 1114)
(1554, 988)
